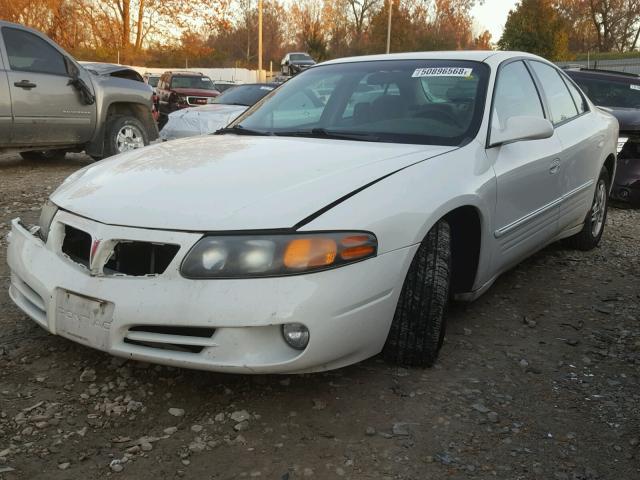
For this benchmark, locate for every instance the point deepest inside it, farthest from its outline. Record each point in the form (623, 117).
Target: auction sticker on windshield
(442, 72)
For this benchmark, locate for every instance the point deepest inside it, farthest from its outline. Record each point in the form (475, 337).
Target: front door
(47, 110)
(527, 173)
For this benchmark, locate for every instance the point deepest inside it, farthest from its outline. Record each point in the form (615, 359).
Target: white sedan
(192, 121)
(329, 223)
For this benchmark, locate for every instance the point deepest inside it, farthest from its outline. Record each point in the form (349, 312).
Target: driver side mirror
(72, 68)
(520, 128)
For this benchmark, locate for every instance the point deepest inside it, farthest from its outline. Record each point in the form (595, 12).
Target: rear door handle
(555, 167)
(26, 84)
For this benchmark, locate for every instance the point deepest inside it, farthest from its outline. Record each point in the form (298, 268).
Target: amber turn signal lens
(310, 252)
(356, 246)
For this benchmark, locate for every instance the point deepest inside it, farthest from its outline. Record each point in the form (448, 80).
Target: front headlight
(49, 210)
(250, 256)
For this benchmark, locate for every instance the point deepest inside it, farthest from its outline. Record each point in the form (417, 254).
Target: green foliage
(536, 27)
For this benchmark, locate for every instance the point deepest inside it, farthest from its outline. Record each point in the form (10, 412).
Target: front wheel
(124, 133)
(418, 327)
(589, 237)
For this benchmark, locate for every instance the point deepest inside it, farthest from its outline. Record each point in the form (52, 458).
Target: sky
(492, 15)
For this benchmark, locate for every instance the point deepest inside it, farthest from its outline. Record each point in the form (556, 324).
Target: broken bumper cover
(161, 318)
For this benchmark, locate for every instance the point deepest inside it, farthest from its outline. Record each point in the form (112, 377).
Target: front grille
(77, 245)
(197, 100)
(179, 339)
(127, 257)
(140, 258)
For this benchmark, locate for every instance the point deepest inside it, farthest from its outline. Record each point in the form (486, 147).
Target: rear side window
(577, 97)
(560, 102)
(515, 95)
(29, 53)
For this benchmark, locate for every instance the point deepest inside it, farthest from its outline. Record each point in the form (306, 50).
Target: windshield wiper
(240, 130)
(324, 133)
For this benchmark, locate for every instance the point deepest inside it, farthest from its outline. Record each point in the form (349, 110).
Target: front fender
(403, 207)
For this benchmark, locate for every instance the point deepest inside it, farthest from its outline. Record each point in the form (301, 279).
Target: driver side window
(29, 53)
(515, 95)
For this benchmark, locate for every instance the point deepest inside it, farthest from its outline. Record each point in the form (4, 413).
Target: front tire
(418, 327)
(589, 237)
(124, 133)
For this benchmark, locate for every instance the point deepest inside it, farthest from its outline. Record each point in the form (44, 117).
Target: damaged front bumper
(220, 325)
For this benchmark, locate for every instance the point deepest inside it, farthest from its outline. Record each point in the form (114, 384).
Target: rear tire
(418, 327)
(589, 237)
(124, 133)
(43, 155)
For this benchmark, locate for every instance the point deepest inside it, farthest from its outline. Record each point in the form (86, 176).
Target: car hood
(229, 182)
(628, 118)
(199, 120)
(200, 92)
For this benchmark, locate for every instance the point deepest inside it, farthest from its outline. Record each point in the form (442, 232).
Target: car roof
(601, 73)
(184, 73)
(267, 84)
(488, 56)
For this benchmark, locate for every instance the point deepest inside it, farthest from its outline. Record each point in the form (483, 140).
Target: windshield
(610, 92)
(153, 81)
(300, 56)
(435, 102)
(202, 83)
(244, 95)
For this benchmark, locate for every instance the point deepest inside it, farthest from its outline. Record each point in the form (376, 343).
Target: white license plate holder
(84, 319)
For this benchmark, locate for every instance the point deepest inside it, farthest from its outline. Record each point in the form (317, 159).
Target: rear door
(581, 143)
(6, 120)
(528, 184)
(47, 110)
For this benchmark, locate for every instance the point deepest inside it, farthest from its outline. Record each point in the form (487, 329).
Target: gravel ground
(538, 379)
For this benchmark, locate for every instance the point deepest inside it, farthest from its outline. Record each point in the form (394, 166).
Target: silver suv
(50, 105)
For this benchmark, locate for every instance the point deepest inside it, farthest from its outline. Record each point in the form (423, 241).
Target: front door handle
(555, 167)
(26, 84)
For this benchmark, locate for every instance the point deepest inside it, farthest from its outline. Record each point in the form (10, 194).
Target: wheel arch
(465, 223)
(137, 110)
(610, 165)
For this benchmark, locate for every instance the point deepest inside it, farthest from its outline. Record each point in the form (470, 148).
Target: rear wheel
(590, 235)
(124, 133)
(418, 327)
(40, 155)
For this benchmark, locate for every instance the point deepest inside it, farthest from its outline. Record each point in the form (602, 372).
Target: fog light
(296, 335)
(623, 193)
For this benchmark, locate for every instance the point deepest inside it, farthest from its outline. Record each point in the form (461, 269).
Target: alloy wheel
(129, 138)
(599, 209)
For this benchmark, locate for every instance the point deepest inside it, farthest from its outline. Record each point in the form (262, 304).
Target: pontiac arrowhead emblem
(92, 256)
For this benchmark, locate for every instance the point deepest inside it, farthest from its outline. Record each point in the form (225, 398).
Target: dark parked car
(177, 90)
(619, 94)
(296, 62)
